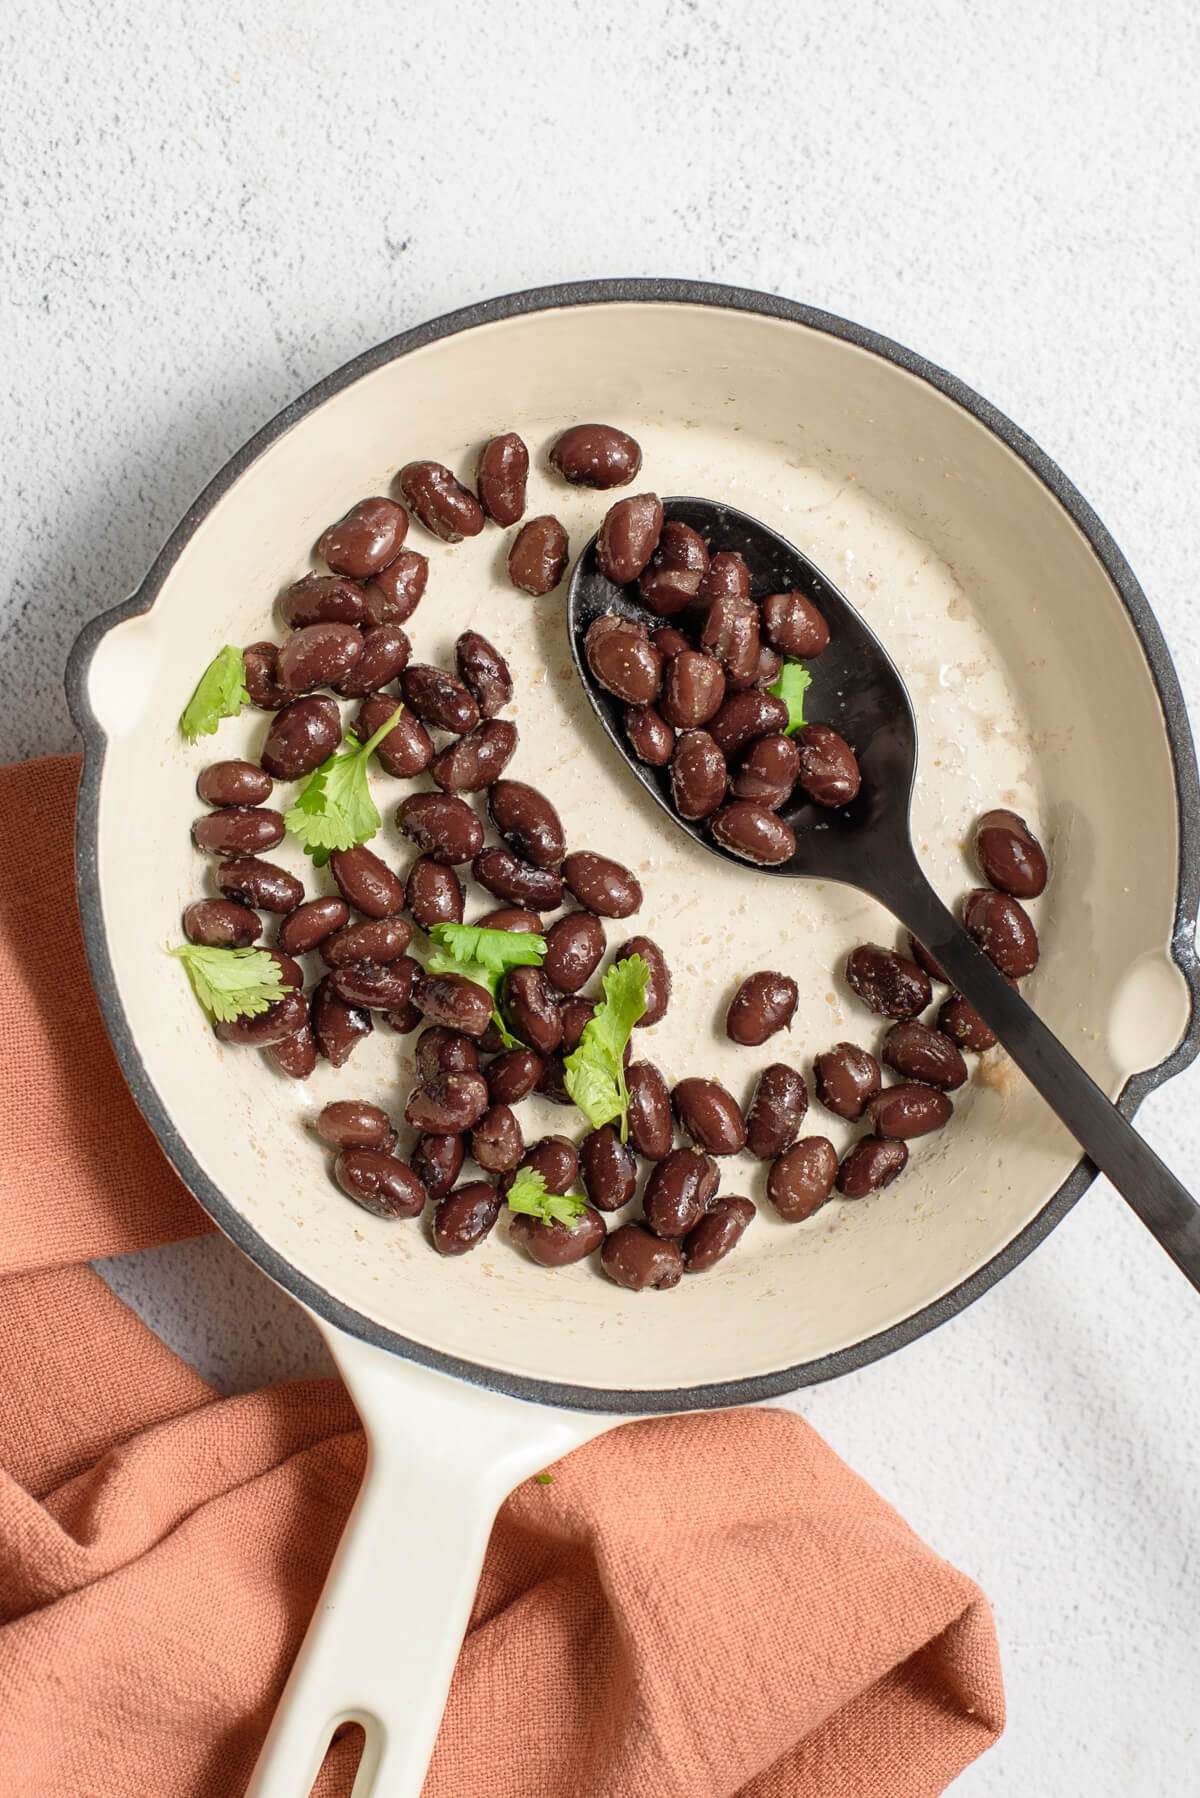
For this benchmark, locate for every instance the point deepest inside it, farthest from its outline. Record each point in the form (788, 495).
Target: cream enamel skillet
(1022, 636)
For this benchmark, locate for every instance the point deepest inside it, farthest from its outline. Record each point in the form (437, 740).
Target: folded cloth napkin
(694, 1607)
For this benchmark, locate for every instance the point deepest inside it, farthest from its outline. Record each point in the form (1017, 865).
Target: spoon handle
(1166, 1208)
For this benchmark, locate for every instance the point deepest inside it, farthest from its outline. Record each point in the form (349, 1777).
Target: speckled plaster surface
(210, 208)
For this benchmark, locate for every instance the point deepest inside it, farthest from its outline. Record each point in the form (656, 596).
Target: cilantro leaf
(793, 683)
(334, 809)
(220, 693)
(528, 1195)
(485, 956)
(594, 1074)
(232, 983)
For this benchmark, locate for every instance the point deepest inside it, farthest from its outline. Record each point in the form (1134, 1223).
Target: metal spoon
(858, 690)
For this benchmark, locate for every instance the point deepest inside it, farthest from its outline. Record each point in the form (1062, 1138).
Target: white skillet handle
(383, 1641)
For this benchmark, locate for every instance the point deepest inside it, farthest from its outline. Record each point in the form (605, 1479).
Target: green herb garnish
(528, 1195)
(220, 693)
(594, 1074)
(544, 1479)
(793, 683)
(232, 983)
(485, 956)
(334, 809)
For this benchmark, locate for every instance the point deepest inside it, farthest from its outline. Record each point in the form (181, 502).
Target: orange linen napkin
(695, 1607)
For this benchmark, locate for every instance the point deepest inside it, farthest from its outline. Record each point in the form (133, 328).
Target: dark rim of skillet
(226, 1215)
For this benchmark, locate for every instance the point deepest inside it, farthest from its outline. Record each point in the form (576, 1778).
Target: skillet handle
(442, 1456)
(1146, 1184)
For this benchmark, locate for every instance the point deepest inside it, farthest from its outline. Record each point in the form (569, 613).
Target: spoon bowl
(858, 690)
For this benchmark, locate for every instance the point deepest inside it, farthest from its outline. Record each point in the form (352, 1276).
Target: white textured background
(205, 208)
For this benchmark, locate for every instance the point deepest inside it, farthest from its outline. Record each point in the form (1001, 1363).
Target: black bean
(555, 1158)
(380, 940)
(959, 1020)
(651, 1126)
(296, 1055)
(658, 986)
(408, 747)
(484, 672)
(302, 735)
(639, 1261)
(264, 885)
(221, 924)
(380, 1183)
(718, 1232)
(574, 950)
(1010, 855)
(367, 883)
(500, 476)
(1004, 931)
(909, 1109)
(406, 1019)
(556, 1244)
(678, 1192)
(476, 760)
(375, 987)
(442, 826)
(322, 599)
(576, 1014)
(746, 716)
(650, 736)
(259, 660)
(511, 917)
(513, 1075)
(829, 771)
(628, 536)
(538, 557)
(445, 507)
(608, 1169)
(693, 689)
(889, 983)
(672, 577)
(516, 881)
(871, 1165)
(314, 921)
(532, 1009)
(768, 771)
(238, 830)
(354, 1124)
(464, 1217)
(385, 652)
(726, 577)
(395, 593)
(754, 833)
(602, 886)
(437, 1161)
(793, 625)
(234, 783)
(847, 1079)
(433, 893)
(762, 1005)
(366, 539)
(439, 698)
(801, 1180)
(596, 455)
(317, 655)
(731, 633)
(623, 660)
(441, 1050)
(338, 1027)
(699, 776)
(776, 1112)
(455, 1001)
(672, 642)
(447, 1105)
(280, 1020)
(496, 1140)
(528, 822)
(919, 1053)
(710, 1115)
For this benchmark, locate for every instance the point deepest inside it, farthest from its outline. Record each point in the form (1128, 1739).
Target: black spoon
(858, 690)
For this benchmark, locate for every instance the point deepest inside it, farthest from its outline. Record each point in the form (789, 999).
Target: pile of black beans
(695, 689)
(688, 703)
(848, 1078)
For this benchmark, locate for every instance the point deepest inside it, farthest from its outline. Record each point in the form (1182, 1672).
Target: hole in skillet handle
(856, 688)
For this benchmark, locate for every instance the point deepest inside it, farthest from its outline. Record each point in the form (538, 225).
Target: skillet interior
(1031, 688)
